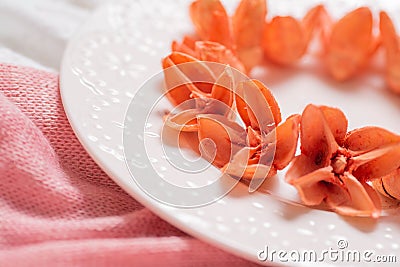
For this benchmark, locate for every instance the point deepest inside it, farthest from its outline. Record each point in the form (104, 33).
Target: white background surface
(35, 32)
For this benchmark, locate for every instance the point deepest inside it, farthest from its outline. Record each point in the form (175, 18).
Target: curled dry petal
(336, 121)
(392, 47)
(314, 187)
(219, 101)
(227, 138)
(192, 69)
(257, 171)
(286, 141)
(261, 117)
(285, 39)
(211, 21)
(253, 137)
(186, 120)
(181, 79)
(389, 185)
(346, 196)
(368, 138)
(183, 121)
(388, 33)
(173, 77)
(377, 163)
(208, 51)
(317, 141)
(326, 23)
(248, 25)
(261, 97)
(350, 43)
(186, 46)
(216, 52)
(313, 20)
(223, 88)
(363, 200)
(300, 166)
(240, 167)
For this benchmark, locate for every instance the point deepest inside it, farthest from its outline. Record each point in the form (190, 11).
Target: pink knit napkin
(58, 208)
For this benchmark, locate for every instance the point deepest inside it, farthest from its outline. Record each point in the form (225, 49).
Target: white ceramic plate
(121, 46)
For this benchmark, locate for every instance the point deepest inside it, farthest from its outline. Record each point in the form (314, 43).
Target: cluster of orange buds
(347, 43)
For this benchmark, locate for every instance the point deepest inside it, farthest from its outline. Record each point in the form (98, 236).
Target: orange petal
(211, 21)
(187, 46)
(368, 138)
(183, 121)
(287, 135)
(216, 52)
(177, 58)
(300, 166)
(337, 194)
(312, 187)
(318, 185)
(392, 47)
(363, 201)
(227, 138)
(389, 185)
(325, 26)
(317, 141)
(197, 72)
(181, 71)
(261, 117)
(208, 51)
(388, 33)
(223, 88)
(256, 91)
(284, 41)
(241, 105)
(377, 163)
(248, 22)
(248, 25)
(253, 137)
(258, 171)
(186, 120)
(337, 122)
(312, 20)
(350, 42)
(173, 77)
(239, 166)
(272, 103)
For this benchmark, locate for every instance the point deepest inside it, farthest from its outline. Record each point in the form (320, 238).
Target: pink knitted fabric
(58, 208)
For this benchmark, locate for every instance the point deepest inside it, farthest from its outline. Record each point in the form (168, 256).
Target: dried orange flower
(242, 33)
(285, 39)
(349, 43)
(246, 152)
(248, 25)
(208, 51)
(211, 21)
(187, 78)
(391, 44)
(334, 167)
